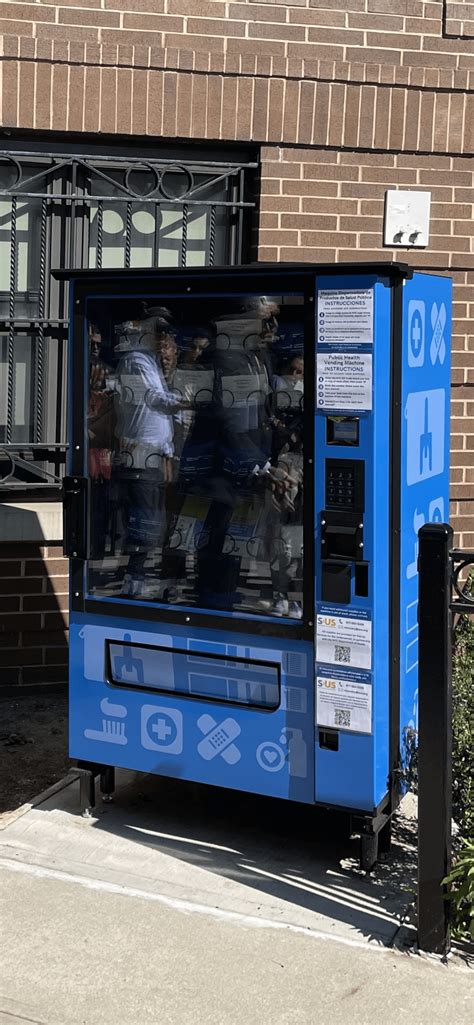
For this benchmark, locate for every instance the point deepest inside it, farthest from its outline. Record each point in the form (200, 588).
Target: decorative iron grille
(63, 210)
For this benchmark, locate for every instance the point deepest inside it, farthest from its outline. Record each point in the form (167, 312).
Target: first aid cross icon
(416, 335)
(161, 730)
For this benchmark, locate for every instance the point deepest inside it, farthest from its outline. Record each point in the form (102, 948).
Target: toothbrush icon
(113, 730)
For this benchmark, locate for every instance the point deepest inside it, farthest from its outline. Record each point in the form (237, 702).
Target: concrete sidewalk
(185, 904)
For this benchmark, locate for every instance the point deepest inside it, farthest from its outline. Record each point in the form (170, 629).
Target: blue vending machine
(252, 453)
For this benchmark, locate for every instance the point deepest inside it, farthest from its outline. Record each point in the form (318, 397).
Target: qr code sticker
(342, 653)
(342, 717)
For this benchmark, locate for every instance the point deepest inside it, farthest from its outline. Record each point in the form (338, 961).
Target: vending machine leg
(87, 776)
(107, 783)
(86, 789)
(385, 838)
(368, 851)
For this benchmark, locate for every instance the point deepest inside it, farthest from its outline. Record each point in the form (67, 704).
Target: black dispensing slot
(361, 582)
(336, 581)
(341, 541)
(329, 740)
(342, 530)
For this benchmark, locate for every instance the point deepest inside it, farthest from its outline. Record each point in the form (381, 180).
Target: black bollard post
(435, 735)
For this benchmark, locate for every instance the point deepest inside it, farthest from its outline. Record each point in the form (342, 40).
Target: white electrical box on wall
(407, 219)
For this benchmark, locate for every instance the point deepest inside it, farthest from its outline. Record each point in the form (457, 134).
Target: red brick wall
(328, 205)
(402, 33)
(33, 614)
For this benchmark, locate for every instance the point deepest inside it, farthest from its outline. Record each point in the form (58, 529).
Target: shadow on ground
(284, 854)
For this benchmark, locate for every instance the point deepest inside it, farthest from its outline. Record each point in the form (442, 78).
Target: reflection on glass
(163, 669)
(195, 428)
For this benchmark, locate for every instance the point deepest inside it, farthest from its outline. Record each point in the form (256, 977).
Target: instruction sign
(344, 704)
(344, 641)
(344, 381)
(345, 316)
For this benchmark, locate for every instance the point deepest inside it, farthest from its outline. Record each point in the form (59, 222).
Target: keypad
(340, 486)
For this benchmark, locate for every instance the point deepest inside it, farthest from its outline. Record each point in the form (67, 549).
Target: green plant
(463, 723)
(463, 728)
(460, 883)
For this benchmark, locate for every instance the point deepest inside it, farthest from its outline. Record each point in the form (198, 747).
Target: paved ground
(183, 904)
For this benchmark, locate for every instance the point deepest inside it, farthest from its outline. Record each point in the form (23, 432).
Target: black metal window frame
(70, 194)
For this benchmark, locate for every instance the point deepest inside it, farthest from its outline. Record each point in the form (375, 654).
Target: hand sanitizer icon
(296, 751)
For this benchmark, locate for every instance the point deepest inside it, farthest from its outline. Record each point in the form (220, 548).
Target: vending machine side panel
(352, 539)
(424, 472)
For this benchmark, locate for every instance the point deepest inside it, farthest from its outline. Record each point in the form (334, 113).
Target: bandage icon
(218, 739)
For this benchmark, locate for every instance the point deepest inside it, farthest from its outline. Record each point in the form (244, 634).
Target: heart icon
(270, 756)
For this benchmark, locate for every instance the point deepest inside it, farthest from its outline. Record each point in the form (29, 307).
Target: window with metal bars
(102, 210)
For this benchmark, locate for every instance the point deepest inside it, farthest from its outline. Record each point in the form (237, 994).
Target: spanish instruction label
(344, 704)
(344, 641)
(344, 381)
(345, 316)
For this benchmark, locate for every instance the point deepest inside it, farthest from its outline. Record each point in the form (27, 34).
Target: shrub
(460, 883)
(463, 724)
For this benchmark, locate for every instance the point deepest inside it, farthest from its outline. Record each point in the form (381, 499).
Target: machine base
(375, 830)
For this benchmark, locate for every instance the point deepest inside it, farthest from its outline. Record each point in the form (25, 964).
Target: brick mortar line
(406, 86)
(445, 18)
(455, 36)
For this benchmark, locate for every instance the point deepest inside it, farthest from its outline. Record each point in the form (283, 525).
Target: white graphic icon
(270, 756)
(411, 655)
(218, 739)
(425, 415)
(435, 515)
(418, 523)
(291, 749)
(438, 323)
(162, 729)
(411, 616)
(436, 511)
(416, 333)
(113, 729)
